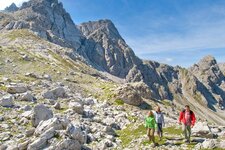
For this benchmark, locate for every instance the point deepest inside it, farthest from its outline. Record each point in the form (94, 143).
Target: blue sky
(176, 32)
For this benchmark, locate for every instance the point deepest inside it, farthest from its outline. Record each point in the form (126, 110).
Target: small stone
(27, 97)
(6, 79)
(27, 108)
(75, 133)
(7, 101)
(1, 118)
(16, 89)
(31, 75)
(47, 77)
(40, 112)
(55, 93)
(68, 144)
(209, 144)
(57, 106)
(77, 107)
(5, 136)
(26, 58)
(24, 145)
(30, 132)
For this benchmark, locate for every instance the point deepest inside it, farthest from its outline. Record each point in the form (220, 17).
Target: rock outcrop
(106, 49)
(40, 113)
(55, 93)
(133, 93)
(208, 72)
(7, 101)
(14, 89)
(222, 67)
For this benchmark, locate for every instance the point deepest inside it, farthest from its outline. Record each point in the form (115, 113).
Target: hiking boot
(155, 144)
(187, 141)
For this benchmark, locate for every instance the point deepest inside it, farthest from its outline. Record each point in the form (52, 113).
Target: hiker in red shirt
(187, 118)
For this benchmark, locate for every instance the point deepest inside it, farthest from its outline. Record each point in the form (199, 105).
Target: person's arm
(180, 117)
(154, 123)
(145, 123)
(193, 119)
(163, 122)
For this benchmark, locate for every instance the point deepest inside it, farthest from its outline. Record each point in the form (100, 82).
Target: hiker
(150, 124)
(160, 122)
(187, 118)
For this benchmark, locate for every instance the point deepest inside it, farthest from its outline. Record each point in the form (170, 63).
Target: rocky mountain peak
(49, 20)
(208, 70)
(207, 61)
(38, 3)
(106, 26)
(105, 47)
(11, 8)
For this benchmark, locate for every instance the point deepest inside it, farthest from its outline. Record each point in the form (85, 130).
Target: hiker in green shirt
(151, 125)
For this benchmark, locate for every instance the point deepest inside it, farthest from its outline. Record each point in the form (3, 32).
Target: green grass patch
(106, 92)
(173, 130)
(58, 137)
(157, 140)
(3, 88)
(132, 118)
(133, 132)
(119, 102)
(166, 102)
(197, 97)
(62, 60)
(22, 33)
(213, 149)
(191, 145)
(130, 133)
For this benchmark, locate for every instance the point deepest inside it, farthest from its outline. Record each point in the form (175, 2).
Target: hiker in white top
(160, 122)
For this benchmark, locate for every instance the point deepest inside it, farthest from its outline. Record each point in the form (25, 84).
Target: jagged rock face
(209, 73)
(198, 91)
(49, 20)
(11, 8)
(106, 48)
(222, 67)
(160, 78)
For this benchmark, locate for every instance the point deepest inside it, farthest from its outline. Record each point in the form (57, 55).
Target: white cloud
(209, 37)
(169, 59)
(5, 3)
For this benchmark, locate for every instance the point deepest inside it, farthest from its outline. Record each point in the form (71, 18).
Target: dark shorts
(159, 127)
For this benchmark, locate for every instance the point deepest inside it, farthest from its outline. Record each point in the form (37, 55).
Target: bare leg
(148, 134)
(152, 135)
(159, 134)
